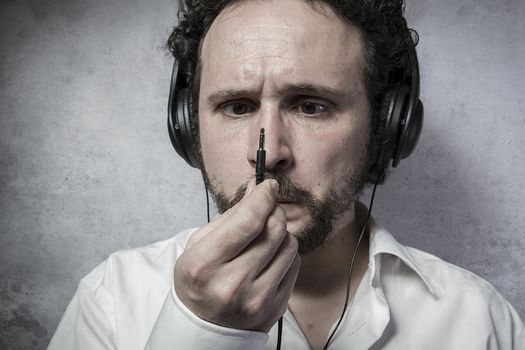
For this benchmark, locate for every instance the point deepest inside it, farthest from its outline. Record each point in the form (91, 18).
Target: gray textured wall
(86, 166)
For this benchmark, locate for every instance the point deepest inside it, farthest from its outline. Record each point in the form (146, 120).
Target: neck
(324, 271)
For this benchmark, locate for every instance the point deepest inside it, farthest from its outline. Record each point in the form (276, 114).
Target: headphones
(398, 123)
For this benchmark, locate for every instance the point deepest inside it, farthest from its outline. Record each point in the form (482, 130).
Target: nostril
(280, 164)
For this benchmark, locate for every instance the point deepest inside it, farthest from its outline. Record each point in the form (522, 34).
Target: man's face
(296, 71)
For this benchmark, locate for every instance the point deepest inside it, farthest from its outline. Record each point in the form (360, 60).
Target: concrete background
(86, 166)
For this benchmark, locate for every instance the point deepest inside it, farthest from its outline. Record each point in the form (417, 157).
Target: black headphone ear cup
(181, 124)
(175, 116)
(386, 127)
(410, 131)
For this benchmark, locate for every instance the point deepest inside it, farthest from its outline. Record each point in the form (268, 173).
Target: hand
(240, 269)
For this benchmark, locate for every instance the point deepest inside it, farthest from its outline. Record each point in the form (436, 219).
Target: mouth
(292, 208)
(286, 201)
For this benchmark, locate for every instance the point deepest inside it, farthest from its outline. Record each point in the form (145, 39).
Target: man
(313, 75)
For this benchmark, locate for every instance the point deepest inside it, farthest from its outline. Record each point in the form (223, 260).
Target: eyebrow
(288, 89)
(229, 94)
(314, 90)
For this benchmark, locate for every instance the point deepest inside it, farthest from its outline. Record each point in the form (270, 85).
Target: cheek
(342, 154)
(224, 155)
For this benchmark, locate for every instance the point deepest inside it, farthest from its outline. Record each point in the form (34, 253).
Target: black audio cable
(259, 177)
(353, 260)
(260, 171)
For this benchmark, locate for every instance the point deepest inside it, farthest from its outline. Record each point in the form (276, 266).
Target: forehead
(294, 40)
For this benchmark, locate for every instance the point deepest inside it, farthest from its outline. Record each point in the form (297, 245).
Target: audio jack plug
(261, 159)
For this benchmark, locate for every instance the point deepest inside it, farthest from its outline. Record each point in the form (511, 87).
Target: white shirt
(407, 299)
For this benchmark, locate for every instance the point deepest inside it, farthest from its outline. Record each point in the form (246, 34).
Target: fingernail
(275, 185)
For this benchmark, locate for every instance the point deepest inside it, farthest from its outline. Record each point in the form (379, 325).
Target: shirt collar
(382, 242)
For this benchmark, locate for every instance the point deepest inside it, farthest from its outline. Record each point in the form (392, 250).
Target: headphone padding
(410, 133)
(184, 117)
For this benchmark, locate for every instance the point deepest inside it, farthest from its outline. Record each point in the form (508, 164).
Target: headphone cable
(207, 203)
(353, 260)
(280, 323)
(279, 333)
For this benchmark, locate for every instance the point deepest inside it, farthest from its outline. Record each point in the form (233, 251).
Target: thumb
(250, 187)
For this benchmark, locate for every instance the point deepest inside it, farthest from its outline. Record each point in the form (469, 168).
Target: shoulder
(118, 302)
(468, 302)
(432, 301)
(127, 290)
(448, 279)
(146, 264)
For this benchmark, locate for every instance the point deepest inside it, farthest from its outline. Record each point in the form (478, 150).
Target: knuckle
(257, 306)
(226, 294)
(191, 268)
(248, 221)
(276, 226)
(195, 272)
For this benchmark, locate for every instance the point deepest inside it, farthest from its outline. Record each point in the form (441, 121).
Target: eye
(237, 109)
(311, 108)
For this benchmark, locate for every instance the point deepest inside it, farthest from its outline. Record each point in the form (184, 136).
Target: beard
(323, 211)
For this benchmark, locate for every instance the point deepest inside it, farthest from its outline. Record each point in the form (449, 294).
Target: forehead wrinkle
(234, 36)
(251, 44)
(266, 32)
(253, 79)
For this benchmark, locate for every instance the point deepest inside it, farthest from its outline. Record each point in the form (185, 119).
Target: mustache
(288, 190)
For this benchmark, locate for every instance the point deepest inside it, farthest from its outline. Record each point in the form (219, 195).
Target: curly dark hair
(387, 39)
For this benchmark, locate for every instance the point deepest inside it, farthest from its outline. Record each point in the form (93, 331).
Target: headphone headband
(413, 123)
(400, 120)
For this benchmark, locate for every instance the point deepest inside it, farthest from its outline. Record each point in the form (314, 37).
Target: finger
(277, 269)
(256, 256)
(244, 224)
(250, 186)
(218, 220)
(285, 288)
(283, 291)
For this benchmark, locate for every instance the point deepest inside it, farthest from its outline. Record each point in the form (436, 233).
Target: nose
(277, 140)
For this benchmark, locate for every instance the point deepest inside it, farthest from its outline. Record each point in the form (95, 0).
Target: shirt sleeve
(88, 322)
(178, 328)
(513, 337)
(508, 329)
